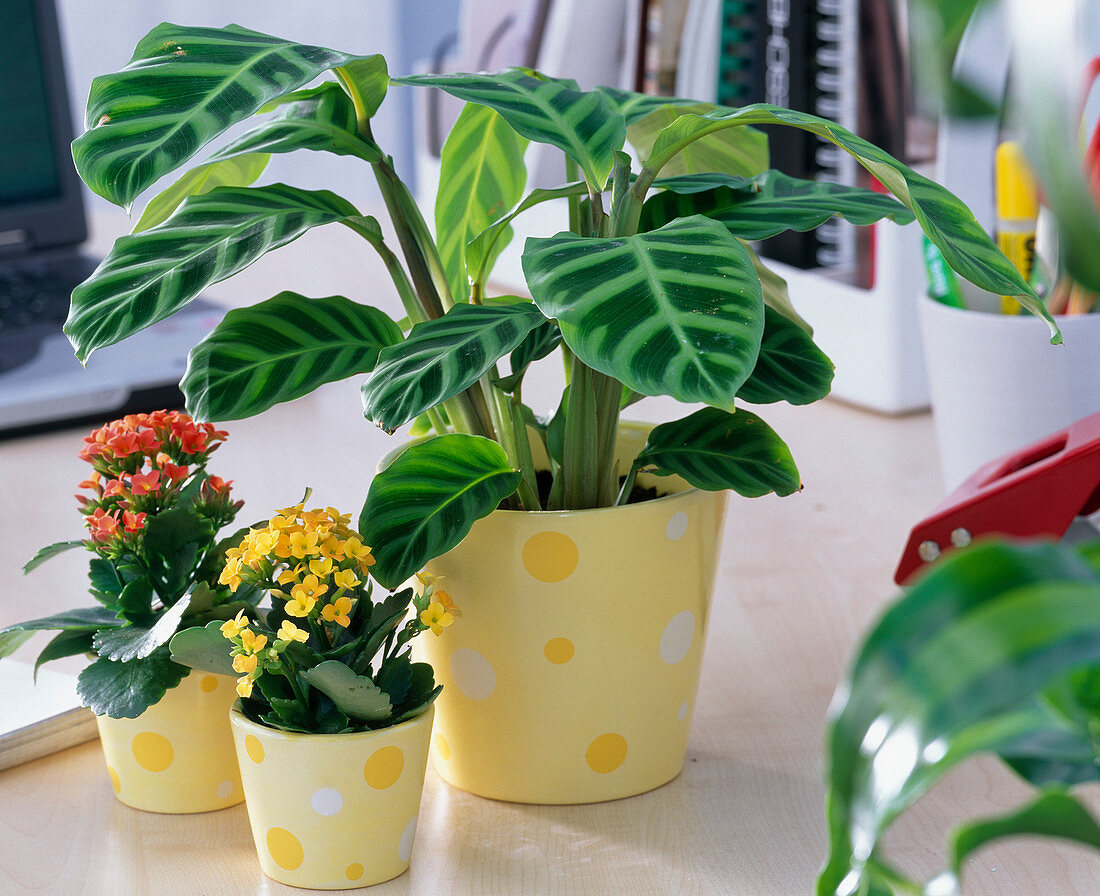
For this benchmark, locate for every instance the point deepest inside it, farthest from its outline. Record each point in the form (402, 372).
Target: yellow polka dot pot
(333, 811)
(177, 757)
(571, 676)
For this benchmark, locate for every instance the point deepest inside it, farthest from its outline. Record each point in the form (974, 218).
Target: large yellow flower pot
(177, 756)
(333, 811)
(571, 676)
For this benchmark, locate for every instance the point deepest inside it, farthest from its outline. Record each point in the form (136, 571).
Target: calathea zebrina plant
(650, 288)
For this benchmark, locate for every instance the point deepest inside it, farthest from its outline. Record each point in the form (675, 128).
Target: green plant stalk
(528, 487)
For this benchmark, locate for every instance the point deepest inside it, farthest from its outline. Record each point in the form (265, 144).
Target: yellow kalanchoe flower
(345, 578)
(338, 611)
(245, 663)
(233, 627)
(252, 642)
(288, 631)
(436, 617)
(244, 687)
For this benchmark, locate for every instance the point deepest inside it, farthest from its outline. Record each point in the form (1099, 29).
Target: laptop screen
(28, 169)
(40, 193)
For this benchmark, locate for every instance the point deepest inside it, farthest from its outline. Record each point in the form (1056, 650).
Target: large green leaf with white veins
(755, 208)
(280, 350)
(715, 450)
(739, 151)
(238, 171)
(441, 358)
(677, 311)
(183, 87)
(424, 503)
(943, 216)
(149, 276)
(790, 367)
(481, 176)
(962, 664)
(322, 119)
(547, 110)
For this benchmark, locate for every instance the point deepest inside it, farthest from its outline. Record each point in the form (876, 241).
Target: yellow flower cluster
(251, 653)
(441, 610)
(303, 556)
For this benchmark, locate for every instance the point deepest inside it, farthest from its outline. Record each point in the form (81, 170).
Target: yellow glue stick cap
(1017, 191)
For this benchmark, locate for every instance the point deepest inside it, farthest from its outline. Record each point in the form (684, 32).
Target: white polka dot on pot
(472, 673)
(327, 801)
(405, 846)
(677, 525)
(677, 637)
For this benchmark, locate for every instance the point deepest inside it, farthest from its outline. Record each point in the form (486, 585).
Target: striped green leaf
(633, 107)
(944, 218)
(958, 666)
(741, 152)
(483, 249)
(441, 358)
(536, 345)
(424, 503)
(149, 276)
(790, 368)
(481, 177)
(755, 208)
(677, 311)
(366, 80)
(714, 450)
(240, 171)
(182, 88)
(280, 350)
(776, 295)
(547, 110)
(322, 120)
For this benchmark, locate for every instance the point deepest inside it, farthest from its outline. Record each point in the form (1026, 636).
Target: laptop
(42, 226)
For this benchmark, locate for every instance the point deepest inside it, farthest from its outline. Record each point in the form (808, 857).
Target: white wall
(99, 37)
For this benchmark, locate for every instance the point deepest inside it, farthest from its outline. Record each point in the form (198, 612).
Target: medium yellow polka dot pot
(571, 676)
(333, 811)
(177, 757)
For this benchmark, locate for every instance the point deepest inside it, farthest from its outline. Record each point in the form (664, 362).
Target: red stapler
(1036, 491)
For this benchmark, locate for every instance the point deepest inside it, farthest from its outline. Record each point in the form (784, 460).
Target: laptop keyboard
(34, 302)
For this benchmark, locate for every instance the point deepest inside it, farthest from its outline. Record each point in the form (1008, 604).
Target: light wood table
(800, 579)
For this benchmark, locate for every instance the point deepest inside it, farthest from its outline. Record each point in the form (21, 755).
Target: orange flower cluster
(141, 464)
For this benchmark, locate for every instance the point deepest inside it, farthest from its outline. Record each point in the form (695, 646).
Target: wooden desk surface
(800, 579)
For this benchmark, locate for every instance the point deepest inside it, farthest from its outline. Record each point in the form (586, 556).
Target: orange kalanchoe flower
(145, 483)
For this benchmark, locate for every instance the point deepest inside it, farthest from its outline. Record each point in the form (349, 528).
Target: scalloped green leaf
(126, 690)
(356, 695)
(714, 450)
(677, 311)
(51, 550)
(547, 110)
(426, 500)
(149, 276)
(183, 87)
(441, 358)
(481, 176)
(205, 649)
(280, 350)
(137, 642)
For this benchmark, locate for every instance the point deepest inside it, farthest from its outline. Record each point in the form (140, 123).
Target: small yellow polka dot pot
(177, 757)
(571, 675)
(333, 811)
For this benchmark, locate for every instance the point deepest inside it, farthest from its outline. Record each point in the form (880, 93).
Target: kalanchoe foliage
(153, 516)
(325, 658)
(647, 288)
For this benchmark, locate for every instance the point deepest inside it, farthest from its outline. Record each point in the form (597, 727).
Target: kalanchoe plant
(651, 288)
(153, 515)
(325, 658)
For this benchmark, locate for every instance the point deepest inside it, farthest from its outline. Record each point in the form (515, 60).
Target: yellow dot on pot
(354, 871)
(286, 851)
(606, 753)
(254, 748)
(116, 783)
(442, 748)
(550, 556)
(152, 751)
(384, 767)
(209, 684)
(559, 650)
